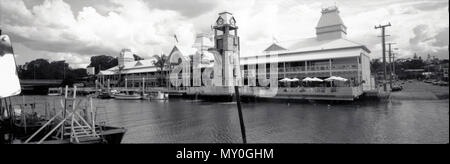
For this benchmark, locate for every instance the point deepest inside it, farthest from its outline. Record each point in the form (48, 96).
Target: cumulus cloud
(53, 27)
(83, 28)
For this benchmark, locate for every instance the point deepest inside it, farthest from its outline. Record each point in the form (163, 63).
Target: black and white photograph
(224, 72)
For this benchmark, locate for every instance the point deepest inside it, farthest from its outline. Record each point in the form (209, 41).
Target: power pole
(383, 44)
(390, 64)
(393, 64)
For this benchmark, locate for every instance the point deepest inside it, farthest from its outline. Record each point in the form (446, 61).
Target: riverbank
(417, 90)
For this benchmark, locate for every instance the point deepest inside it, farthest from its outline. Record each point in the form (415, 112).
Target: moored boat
(105, 95)
(55, 92)
(128, 96)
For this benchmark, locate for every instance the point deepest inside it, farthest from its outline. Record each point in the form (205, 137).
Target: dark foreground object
(109, 135)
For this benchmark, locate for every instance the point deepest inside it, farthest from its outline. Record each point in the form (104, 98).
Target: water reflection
(186, 121)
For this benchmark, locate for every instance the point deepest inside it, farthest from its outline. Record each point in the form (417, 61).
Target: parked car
(397, 88)
(428, 81)
(435, 82)
(443, 83)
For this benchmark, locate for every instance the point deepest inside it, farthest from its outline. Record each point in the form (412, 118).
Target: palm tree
(161, 63)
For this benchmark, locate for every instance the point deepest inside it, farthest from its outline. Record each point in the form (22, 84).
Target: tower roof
(203, 42)
(226, 19)
(330, 25)
(330, 17)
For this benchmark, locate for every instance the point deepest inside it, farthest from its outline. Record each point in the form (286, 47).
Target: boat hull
(112, 135)
(128, 97)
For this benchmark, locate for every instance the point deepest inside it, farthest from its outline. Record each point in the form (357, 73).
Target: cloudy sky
(75, 30)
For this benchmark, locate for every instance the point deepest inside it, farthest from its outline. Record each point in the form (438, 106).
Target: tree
(36, 69)
(376, 66)
(161, 63)
(42, 69)
(103, 62)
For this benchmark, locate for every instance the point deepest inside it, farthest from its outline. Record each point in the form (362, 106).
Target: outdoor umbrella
(332, 78)
(316, 79)
(307, 79)
(285, 80)
(295, 80)
(335, 78)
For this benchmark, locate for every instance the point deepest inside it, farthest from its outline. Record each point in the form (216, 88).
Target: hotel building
(328, 54)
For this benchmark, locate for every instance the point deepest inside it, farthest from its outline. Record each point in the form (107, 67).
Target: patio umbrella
(285, 80)
(295, 80)
(335, 78)
(316, 79)
(307, 79)
(341, 79)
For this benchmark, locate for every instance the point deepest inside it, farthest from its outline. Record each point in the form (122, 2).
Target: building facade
(330, 53)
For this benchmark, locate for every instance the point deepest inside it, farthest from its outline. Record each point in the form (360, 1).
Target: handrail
(40, 129)
(53, 130)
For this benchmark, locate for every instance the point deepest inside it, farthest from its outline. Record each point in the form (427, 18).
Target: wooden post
(143, 87)
(64, 110)
(109, 86)
(241, 119)
(92, 113)
(74, 91)
(24, 119)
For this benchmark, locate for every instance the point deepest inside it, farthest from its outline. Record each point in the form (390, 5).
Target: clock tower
(226, 41)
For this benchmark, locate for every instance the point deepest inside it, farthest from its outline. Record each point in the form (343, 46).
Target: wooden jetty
(76, 124)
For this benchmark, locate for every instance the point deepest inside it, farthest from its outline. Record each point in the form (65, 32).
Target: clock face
(220, 21)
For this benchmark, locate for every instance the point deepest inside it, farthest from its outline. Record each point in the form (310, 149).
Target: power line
(383, 44)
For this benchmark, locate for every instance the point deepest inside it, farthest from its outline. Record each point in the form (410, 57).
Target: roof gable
(274, 47)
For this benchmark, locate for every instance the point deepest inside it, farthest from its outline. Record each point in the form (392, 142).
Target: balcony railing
(321, 68)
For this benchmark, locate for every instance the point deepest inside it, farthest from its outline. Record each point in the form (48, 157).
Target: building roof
(274, 47)
(203, 42)
(185, 52)
(304, 56)
(312, 49)
(312, 44)
(140, 66)
(330, 17)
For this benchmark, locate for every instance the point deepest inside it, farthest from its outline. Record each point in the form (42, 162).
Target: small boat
(128, 96)
(105, 95)
(157, 96)
(54, 92)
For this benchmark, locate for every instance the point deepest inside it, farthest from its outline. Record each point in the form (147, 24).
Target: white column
(306, 67)
(331, 74)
